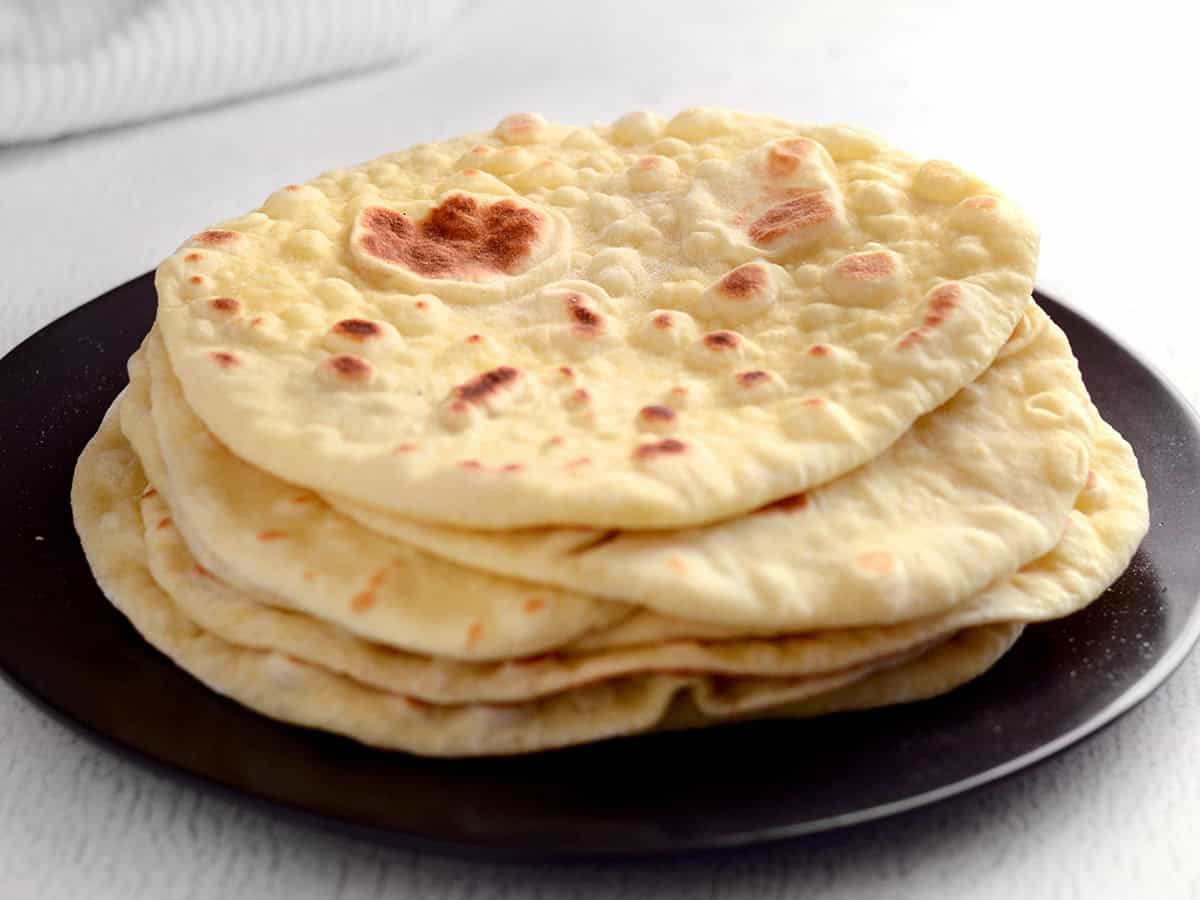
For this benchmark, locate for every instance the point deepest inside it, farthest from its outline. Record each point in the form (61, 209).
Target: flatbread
(1109, 519)
(285, 546)
(647, 324)
(977, 489)
(105, 496)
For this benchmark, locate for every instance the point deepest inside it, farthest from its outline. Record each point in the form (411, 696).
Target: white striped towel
(73, 65)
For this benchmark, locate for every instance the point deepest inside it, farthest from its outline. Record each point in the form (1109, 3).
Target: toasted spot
(784, 157)
(676, 564)
(474, 634)
(486, 385)
(520, 128)
(577, 463)
(223, 358)
(876, 562)
(752, 378)
(268, 536)
(1091, 480)
(193, 257)
(303, 499)
(404, 448)
(292, 188)
(513, 468)
(163, 524)
(813, 401)
(581, 396)
(216, 236)
(913, 337)
(566, 372)
(421, 304)
(474, 338)
(667, 447)
(721, 340)
(942, 302)
(226, 305)
(196, 279)
(792, 503)
(150, 492)
(358, 329)
(664, 320)
(744, 281)
(367, 598)
(470, 464)
(657, 413)
(866, 266)
(588, 322)
(458, 237)
(201, 571)
(349, 369)
(820, 350)
(534, 604)
(807, 210)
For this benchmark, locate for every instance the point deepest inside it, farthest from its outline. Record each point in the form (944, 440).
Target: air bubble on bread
(638, 127)
(665, 331)
(521, 128)
(870, 278)
(364, 337)
(744, 293)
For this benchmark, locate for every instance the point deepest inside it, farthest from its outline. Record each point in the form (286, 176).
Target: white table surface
(1082, 114)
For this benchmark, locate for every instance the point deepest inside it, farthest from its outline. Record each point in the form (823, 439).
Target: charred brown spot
(358, 329)
(196, 279)
(751, 379)
(721, 340)
(649, 163)
(363, 601)
(216, 236)
(513, 468)
(534, 604)
(458, 236)
(581, 396)
(163, 524)
(820, 350)
(193, 257)
(223, 358)
(470, 464)
(481, 149)
(225, 305)
(664, 320)
(667, 447)
(586, 319)
(744, 281)
(405, 448)
(566, 372)
(292, 188)
(486, 384)
(866, 266)
(474, 634)
(201, 571)
(793, 503)
(474, 338)
(257, 322)
(656, 414)
(471, 173)
(813, 401)
(913, 336)
(268, 536)
(349, 368)
(801, 212)
(421, 304)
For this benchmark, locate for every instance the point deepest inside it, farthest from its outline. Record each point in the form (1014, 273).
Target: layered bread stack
(547, 435)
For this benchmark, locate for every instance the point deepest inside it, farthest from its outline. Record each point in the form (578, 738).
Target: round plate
(63, 644)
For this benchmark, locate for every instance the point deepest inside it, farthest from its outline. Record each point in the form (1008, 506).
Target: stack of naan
(546, 435)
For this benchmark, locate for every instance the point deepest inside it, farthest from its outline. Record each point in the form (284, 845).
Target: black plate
(63, 644)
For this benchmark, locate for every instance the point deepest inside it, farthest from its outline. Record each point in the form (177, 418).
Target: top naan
(638, 325)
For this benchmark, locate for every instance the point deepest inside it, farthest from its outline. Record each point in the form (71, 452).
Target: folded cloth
(73, 65)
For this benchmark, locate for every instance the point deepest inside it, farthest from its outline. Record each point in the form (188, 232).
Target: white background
(1087, 116)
